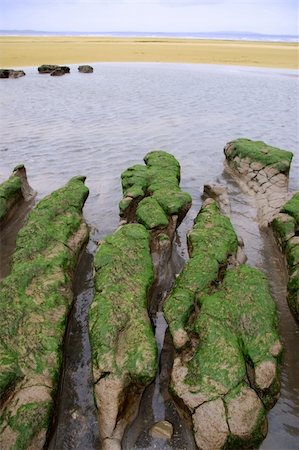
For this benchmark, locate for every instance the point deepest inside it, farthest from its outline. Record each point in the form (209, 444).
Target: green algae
(217, 365)
(28, 421)
(158, 181)
(223, 328)
(150, 214)
(121, 335)
(237, 321)
(211, 241)
(10, 193)
(258, 151)
(36, 296)
(292, 207)
(286, 228)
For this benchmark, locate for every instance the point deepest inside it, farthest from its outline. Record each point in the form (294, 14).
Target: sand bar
(26, 51)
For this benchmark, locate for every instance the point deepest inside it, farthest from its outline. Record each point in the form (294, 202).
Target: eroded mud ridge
(223, 322)
(34, 303)
(263, 171)
(221, 317)
(286, 231)
(122, 338)
(13, 192)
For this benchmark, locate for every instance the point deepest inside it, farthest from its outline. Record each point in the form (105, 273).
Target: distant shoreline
(216, 35)
(24, 51)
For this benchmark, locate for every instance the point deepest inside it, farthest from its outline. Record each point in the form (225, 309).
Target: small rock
(11, 73)
(85, 69)
(47, 68)
(57, 72)
(4, 73)
(162, 430)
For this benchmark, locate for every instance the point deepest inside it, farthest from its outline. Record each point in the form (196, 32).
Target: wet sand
(29, 51)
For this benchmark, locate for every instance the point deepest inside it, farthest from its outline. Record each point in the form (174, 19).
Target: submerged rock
(224, 327)
(286, 230)
(12, 192)
(162, 430)
(123, 345)
(262, 170)
(11, 73)
(34, 304)
(85, 69)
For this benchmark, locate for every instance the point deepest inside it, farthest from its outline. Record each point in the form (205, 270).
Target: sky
(258, 16)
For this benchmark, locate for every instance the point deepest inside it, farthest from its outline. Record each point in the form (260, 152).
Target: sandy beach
(29, 51)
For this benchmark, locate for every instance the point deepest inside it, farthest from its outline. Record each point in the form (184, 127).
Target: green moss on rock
(286, 230)
(258, 151)
(28, 421)
(35, 298)
(284, 227)
(158, 180)
(238, 323)
(211, 241)
(121, 335)
(10, 193)
(292, 207)
(225, 331)
(150, 214)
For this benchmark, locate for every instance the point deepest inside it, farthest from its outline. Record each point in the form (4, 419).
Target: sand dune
(29, 51)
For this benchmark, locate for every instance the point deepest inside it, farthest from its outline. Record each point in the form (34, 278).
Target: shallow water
(99, 124)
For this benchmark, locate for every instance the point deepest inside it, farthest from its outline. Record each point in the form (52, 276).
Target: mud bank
(286, 230)
(227, 344)
(13, 193)
(263, 171)
(34, 301)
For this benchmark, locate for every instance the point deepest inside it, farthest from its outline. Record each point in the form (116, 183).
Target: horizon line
(152, 31)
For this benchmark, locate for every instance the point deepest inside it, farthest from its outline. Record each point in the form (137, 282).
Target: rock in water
(57, 72)
(35, 300)
(4, 73)
(85, 69)
(47, 68)
(11, 73)
(263, 171)
(53, 69)
(152, 193)
(12, 192)
(124, 351)
(224, 327)
(286, 230)
(162, 430)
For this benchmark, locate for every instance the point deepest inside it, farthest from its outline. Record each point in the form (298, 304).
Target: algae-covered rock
(12, 192)
(34, 303)
(286, 230)
(262, 170)
(123, 345)
(159, 181)
(224, 328)
(211, 242)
